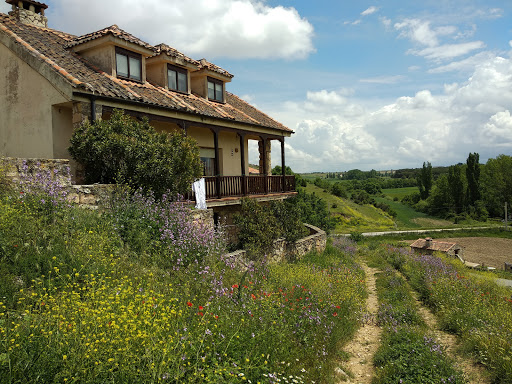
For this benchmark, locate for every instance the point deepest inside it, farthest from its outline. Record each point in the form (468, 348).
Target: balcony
(229, 187)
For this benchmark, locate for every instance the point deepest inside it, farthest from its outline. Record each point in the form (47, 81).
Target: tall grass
(126, 296)
(477, 310)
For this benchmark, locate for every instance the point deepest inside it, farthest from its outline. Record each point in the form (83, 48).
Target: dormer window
(128, 64)
(215, 90)
(177, 78)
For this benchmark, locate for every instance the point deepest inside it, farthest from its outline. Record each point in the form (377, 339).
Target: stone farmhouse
(429, 246)
(51, 81)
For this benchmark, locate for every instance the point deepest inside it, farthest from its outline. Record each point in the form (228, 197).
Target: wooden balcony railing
(218, 187)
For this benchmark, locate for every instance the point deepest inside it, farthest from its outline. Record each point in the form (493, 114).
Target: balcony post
(217, 163)
(242, 163)
(283, 165)
(263, 161)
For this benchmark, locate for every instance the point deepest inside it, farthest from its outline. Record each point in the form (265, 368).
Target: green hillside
(352, 217)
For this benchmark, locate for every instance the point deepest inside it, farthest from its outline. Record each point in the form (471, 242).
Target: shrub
(386, 208)
(362, 197)
(313, 210)
(356, 236)
(124, 150)
(289, 220)
(257, 229)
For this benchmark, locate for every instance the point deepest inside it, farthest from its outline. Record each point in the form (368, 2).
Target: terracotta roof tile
(50, 46)
(441, 246)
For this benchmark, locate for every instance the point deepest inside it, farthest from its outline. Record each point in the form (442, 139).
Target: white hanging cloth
(199, 189)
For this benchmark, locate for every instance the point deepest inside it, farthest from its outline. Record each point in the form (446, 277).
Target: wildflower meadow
(140, 293)
(467, 304)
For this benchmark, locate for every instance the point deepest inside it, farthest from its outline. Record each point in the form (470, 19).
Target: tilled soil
(490, 251)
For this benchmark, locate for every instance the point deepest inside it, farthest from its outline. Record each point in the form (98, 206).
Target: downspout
(93, 108)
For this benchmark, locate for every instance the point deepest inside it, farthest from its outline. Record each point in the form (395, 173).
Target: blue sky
(381, 84)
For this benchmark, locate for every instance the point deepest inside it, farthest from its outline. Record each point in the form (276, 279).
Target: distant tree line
(466, 190)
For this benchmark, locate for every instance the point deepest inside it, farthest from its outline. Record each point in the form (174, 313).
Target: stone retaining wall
(14, 167)
(283, 251)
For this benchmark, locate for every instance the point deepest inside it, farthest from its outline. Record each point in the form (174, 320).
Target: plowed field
(490, 251)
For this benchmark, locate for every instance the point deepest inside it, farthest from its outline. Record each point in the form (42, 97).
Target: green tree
(338, 189)
(456, 185)
(277, 170)
(497, 184)
(440, 200)
(473, 178)
(425, 180)
(127, 151)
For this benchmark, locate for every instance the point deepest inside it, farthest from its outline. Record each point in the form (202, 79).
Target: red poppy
(253, 296)
(201, 308)
(338, 307)
(189, 303)
(200, 314)
(234, 286)
(335, 314)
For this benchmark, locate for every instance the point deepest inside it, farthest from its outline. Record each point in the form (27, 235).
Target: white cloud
(325, 97)
(385, 21)
(383, 79)
(474, 116)
(448, 51)
(221, 28)
(498, 131)
(465, 65)
(423, 34)
(369, 11)
(418, 31)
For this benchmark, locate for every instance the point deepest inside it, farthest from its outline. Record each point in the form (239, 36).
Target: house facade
(52, 81)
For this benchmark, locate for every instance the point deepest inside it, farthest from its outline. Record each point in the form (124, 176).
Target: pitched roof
(52, 47)
(441, 246)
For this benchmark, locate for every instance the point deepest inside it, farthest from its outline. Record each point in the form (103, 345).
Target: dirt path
(475, 374)
(366, 341)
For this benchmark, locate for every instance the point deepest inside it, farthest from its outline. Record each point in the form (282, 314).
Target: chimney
(29, 12)
(429, 242)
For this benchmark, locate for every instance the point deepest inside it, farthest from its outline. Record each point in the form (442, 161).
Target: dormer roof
(207, 66)
(164, 49)
(116, 33)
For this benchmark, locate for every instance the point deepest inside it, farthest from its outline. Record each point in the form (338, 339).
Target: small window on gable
(215, 90)
(128, 64)
(177, 78)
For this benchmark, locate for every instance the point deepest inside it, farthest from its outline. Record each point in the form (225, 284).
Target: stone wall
(14, 167)
(283, 251)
